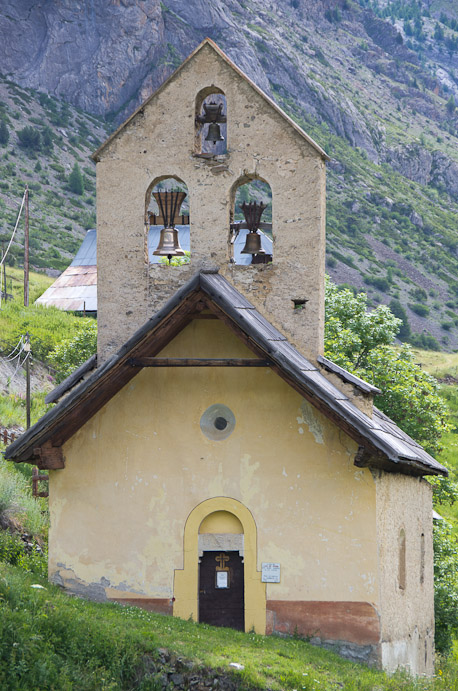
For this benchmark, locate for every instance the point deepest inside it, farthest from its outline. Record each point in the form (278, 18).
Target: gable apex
(382, 444)
(205, 44)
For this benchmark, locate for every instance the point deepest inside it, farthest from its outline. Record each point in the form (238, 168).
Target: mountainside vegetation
(45, 144)
(375, 82)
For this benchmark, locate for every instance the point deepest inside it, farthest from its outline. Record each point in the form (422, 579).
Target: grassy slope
(49, 640)
(47, 326)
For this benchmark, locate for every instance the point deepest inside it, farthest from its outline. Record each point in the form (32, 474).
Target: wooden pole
(27, 377)
(4, 275)
(26, 249)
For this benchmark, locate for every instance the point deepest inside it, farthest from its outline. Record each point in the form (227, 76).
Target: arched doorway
(216, 514)
(221, 571)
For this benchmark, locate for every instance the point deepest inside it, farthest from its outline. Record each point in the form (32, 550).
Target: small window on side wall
(251, 237)
(210, 122)
(402, 560)
(167, 222)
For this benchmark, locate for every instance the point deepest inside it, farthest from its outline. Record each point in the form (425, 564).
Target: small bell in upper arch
(214, 133)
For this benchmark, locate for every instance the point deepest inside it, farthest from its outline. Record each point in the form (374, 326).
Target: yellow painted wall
(140, 466)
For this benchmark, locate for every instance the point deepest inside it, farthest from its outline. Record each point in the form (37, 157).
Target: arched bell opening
(167, 236)
(251, 239)
(210, 122)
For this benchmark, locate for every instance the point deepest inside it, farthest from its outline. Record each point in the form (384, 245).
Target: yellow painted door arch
(186, 604)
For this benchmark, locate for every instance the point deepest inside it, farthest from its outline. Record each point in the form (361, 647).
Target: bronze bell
(253, 244)
(214, 133)
(169, 244)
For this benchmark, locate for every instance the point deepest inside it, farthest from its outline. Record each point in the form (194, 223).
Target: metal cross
(222, 559)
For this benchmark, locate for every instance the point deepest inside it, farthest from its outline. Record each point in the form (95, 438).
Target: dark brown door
(221, 590)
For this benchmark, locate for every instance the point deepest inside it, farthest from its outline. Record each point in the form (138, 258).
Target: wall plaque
(270, 572)
(222, 579)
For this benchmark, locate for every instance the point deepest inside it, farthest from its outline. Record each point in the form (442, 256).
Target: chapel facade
(215, 465)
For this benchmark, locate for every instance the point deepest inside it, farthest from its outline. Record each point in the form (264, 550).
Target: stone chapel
(210, 462)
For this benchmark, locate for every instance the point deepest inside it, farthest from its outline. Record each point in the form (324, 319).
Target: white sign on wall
(270, 573)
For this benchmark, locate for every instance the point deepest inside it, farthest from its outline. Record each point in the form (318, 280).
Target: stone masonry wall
(159, 142)
(407, 609)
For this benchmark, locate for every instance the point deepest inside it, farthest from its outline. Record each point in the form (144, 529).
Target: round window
(217, 422)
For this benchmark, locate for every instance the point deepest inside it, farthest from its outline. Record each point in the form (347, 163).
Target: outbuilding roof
(382, 444)
(75, 289)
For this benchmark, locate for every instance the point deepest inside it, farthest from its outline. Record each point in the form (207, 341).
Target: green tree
(75, 180)
(30, 138)
(450, 105)
(4, 133)
(47, 139)
(445, 586)
(360, 341)
(72, 352)
(399, 312)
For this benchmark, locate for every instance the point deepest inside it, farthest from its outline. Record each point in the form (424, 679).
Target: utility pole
(26, 249)
(28, 352)
(4, 275)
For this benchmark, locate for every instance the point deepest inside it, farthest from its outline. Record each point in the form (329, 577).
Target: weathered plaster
(407, 615)
(261, 144)
(131, 481)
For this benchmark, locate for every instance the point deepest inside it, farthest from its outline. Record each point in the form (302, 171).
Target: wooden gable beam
(49, 457)
(197, 362)
(120, 375)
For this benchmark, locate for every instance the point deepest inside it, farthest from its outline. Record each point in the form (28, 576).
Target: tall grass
(17, 505)
(51, 641)
(47, 326)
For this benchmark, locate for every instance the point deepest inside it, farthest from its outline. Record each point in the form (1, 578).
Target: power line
(2, 260)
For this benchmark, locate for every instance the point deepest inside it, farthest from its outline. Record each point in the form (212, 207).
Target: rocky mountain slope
(373, 81)
(58, 136)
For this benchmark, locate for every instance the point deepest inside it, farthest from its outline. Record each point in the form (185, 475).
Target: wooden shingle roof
(381, 443)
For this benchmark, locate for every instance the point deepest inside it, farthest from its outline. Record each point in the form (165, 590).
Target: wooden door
(221, 590)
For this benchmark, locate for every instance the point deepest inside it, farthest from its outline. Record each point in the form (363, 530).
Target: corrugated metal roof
(76, 288)
(87, 253)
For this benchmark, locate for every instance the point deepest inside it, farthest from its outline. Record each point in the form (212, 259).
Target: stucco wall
(140, 466)
(404, 503)
(159, 141)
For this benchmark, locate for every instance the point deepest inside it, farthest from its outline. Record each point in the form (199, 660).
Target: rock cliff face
(356, 81)
(106, 56)
(94, 54)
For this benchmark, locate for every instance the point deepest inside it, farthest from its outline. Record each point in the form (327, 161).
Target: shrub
(399, 312)
(30, 138)
(71, 353)
(424, 340)
(418, 308)
(378, 282)
(17, 505)
(75, 180)
(24, 552)
(4, 133)
(445, 586)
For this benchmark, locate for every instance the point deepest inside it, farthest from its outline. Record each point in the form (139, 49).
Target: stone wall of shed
(407, 609)
(159, 141)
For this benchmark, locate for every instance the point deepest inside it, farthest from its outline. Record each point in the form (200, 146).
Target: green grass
(49, 640)
(13, 409)
(47, 325)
